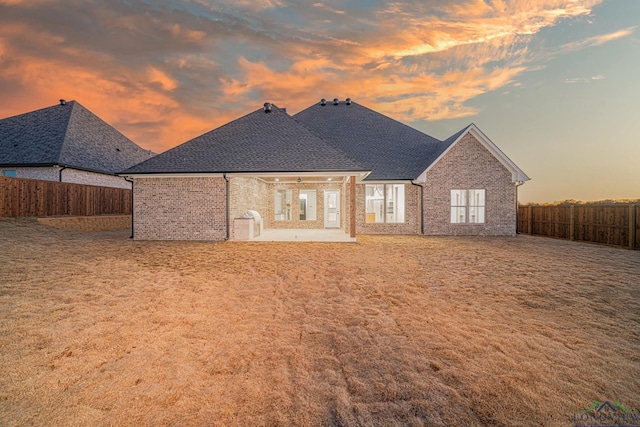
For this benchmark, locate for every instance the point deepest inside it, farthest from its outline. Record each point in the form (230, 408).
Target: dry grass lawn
(96, 329)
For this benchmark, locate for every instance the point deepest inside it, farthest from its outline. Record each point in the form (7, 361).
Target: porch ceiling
(302, 179)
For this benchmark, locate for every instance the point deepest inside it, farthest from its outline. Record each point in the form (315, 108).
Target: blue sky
(554, 83)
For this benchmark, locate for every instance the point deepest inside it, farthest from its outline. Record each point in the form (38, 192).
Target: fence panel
(21, 197)
(609, 224)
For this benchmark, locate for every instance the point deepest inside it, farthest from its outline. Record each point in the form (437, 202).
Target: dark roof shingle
(257, 142)
(66, 135)
(391, 149)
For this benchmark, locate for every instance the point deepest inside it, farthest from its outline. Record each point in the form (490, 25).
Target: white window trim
(286, 209)
(385, 202)
(467, 206)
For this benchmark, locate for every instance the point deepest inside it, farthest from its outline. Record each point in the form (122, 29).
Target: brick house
(335, 165)
(66, 143)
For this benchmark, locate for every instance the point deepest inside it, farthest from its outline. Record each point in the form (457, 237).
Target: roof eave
(359, 173)
(54, 165)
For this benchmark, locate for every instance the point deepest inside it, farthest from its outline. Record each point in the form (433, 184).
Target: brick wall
(411, 224)
(468, 165)
(52, 173)
(247, 193)
(179, 209)
(49, 173)
(92, 178)
(296, 222)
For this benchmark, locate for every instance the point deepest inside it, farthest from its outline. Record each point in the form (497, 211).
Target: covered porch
(319, 206)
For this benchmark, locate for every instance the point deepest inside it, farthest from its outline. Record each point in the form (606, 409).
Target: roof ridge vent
(335, 101)
(323, 102)
(267, 107)
(63, 102)
(348, 101)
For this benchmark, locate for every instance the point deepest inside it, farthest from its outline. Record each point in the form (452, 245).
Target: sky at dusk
(554, 83)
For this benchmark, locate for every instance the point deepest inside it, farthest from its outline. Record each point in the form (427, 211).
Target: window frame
(314, 209)
(278, 199)
(467, 206)
(388, 209)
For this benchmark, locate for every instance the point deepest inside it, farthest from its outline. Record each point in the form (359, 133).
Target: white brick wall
(247, 193)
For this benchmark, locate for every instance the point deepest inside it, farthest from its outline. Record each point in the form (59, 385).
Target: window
(282, 205)
(307, 205)
(384, 203)
(467, 206)
(9, 173)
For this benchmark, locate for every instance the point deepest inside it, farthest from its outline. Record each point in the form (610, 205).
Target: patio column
(352, 207)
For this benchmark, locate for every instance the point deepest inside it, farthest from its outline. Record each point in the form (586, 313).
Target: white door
(332, 209)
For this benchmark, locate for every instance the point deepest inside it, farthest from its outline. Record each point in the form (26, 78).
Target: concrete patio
(290, 235)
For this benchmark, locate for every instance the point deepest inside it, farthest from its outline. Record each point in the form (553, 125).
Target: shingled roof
(390, 149)
(262, 141)
(66, 135)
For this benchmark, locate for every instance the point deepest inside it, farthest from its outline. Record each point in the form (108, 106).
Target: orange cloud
(157, 76)
(169, 76)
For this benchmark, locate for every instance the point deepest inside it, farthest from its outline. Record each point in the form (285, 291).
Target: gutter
(60, 173)
(224, 175)
(413, 182)
(132, 210)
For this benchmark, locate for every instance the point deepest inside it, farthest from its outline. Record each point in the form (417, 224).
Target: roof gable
(67, 135)
(391, 149)
(517, 175)
(258, 142)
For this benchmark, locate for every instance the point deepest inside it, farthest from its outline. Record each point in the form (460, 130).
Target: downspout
(132, 210)
(60, 173)
(518, 184)
(421, 206)
(224, 175)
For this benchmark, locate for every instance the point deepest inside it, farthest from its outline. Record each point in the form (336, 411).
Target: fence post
(572, 223)
(530, 220)
(632, 226)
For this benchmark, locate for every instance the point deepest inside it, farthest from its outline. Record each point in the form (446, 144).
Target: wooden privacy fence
(610, 224)
(30, 197)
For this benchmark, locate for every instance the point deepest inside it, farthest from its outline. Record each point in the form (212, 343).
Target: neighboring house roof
(67, 135)
(392, 150)
(262, 141)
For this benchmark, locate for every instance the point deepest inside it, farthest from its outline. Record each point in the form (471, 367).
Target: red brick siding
(179, 209)
(468, 165)
(411, 224)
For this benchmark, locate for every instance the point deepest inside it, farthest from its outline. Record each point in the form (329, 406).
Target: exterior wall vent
(335, 101)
